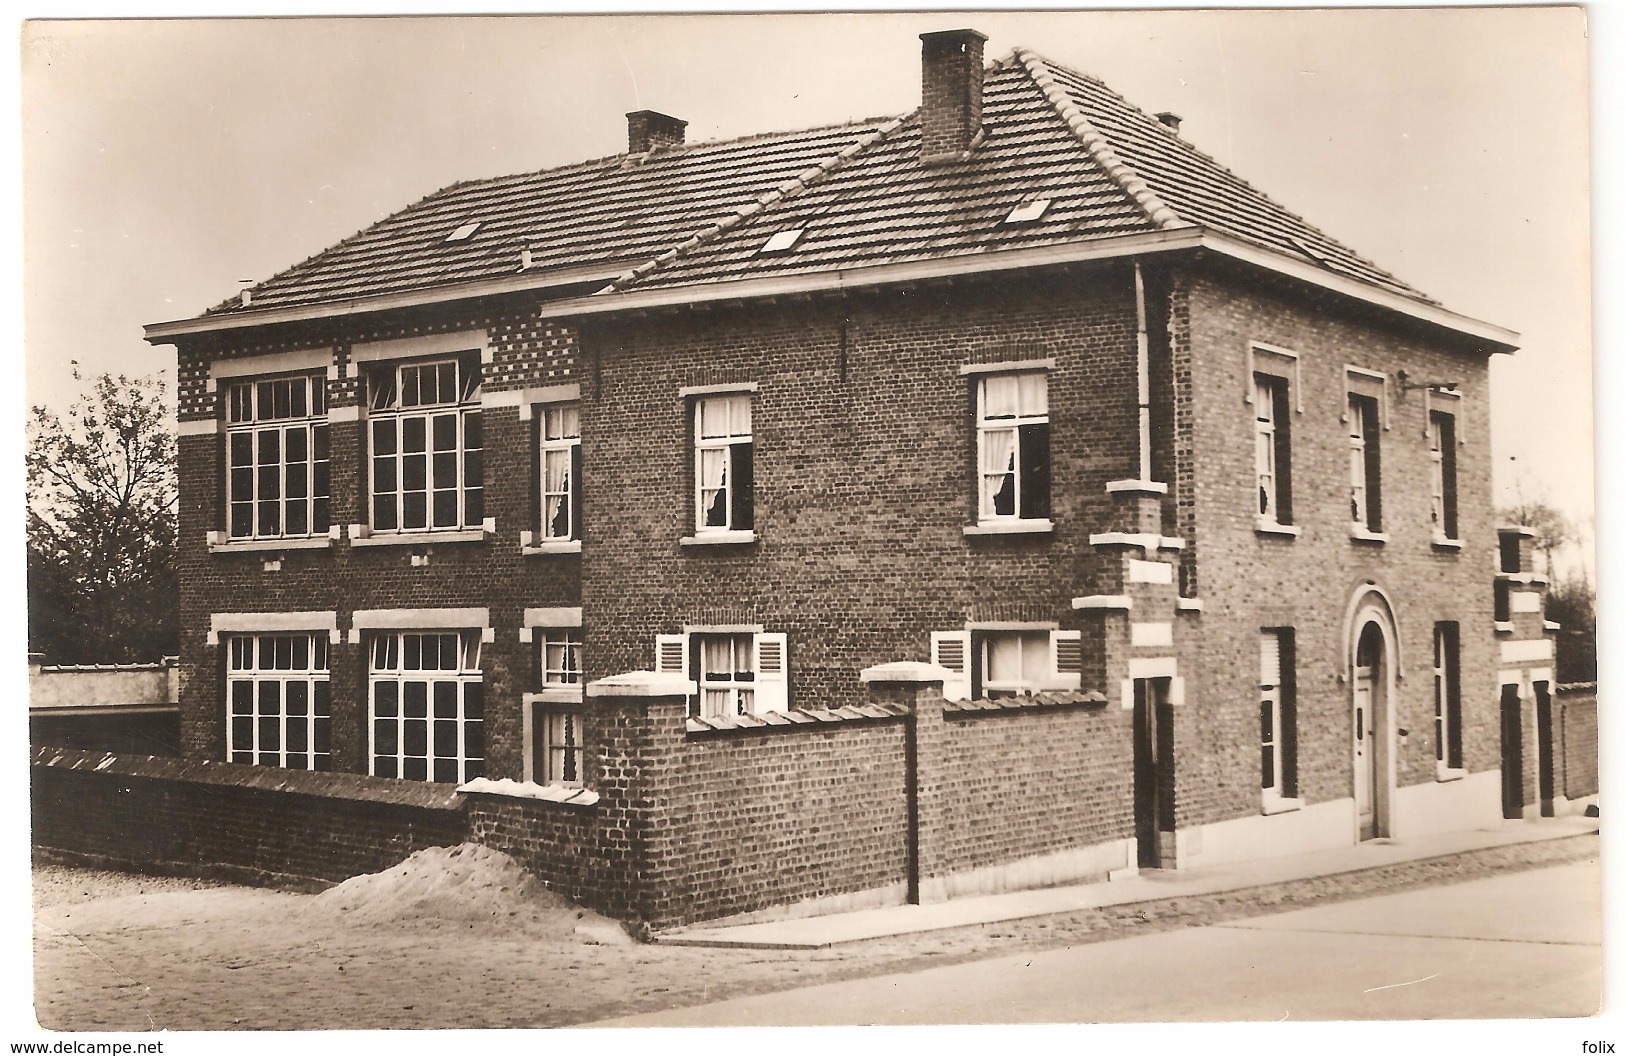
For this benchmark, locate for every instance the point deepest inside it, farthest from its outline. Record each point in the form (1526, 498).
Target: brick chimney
(647, 130)
(951, 93)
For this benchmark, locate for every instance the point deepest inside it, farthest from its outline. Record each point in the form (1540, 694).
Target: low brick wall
(1577, 743)
(243, 823)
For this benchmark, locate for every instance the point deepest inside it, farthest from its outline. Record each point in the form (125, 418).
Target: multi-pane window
(1365, 463)
(557, 746)
(727, 674)
(1272, 448)
(428, 711)
(1447, 695)
(561, 659)
(277, 699)
(723, 467)
(562, 750)
(1012, 444)
(1277, 715)
(1442, 456)
(561, 472)
(424, 425)
(277, 458)
(1014, 663)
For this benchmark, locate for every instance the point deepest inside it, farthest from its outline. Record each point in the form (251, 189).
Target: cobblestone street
(119, 952)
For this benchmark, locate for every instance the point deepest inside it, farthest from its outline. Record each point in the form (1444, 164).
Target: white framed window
(560, 465)
(1442, 475)
(1277, 716)
(723, 464)
(277, 700)
(737, 672)
(1447, 697)
(1012, 446)
(426, 459)
(427, 705)
(277, 457)
(562, 753)
(1272, 447)
(561, 658)
(1007, 662)
(1365, 463)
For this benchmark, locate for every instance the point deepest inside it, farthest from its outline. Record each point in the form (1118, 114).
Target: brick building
(1001, 494)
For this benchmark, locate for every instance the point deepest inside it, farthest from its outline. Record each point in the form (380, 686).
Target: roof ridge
(1092, 140)
(1190, 146)
(800, 182)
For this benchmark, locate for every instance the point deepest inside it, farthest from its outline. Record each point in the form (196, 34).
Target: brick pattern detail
(1577, 742)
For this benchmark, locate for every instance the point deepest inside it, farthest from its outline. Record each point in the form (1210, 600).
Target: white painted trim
(553, 695)
(563, 616)
(257, 546)
(269, 363)
(642, 684)
(1442, 543)
(1188, 605)
(707, 390)
(1360, 534)
(526, 399)
(1033, 526)
(727, 538)
(473, 618)
(206, 427)
(362, 537)
(905, 671)
(1524, 650)
(1525, 601)
(1150, 571)
(1264, 526)
(351, 413)
(1147, 635)
(260, 622)
(1153, 667)
(1143, 540)
(1013, 366)
(1504, 627)
(1012, 625)
(723, 628)
(1104, 601)
(420, 345)
(1296, 366)
(1383, 393)
(1552, 625)
(1147, 487)
(555, 546)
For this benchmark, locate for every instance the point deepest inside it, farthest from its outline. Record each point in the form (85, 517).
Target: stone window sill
(1268, 527)
(471, 535)
(1449, 545)
(547, 546)
(1359, 534)
(1033, 526)
(731, 538)
(554, 695)
(1450, 773)
(1274, 804)
(1504, 627)
(261, 546)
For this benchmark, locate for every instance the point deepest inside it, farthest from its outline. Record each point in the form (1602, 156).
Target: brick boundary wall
(1577, 742)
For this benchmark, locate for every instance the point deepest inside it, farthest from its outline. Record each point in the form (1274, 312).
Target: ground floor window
(428, 708)
(1277, 715)
(277, 699)
(736, 672)
(986, 663)
(562, 754)
(1447, 695)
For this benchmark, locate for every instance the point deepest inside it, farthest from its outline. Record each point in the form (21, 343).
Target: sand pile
(463, 887)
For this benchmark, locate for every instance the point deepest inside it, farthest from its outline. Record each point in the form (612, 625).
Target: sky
(166, 162)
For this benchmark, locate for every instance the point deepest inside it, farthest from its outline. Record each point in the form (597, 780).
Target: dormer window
(783, 241)
(1028, 213)
(465, 232)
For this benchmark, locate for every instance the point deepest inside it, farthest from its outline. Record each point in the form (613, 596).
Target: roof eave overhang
(521, 282)
(1185, 239)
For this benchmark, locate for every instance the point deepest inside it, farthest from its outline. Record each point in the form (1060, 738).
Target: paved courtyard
(117, 952)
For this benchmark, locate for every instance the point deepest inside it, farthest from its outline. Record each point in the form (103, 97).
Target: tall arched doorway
(1373, 666)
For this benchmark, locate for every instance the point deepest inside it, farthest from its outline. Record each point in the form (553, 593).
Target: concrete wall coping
(910, 671)
(642, 684)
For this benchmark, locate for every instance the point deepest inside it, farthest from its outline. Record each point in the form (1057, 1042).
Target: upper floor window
(277, 458)
(561, 472)
(1365, 463)
(1272, 448)
(277, 701)
(723, 464)
(426, 470)
(1012, 444)
(428, 706)
(1442, 462)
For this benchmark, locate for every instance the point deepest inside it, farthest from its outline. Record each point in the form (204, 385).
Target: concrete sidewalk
(822, 931)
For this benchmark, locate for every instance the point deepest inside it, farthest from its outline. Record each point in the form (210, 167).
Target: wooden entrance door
(1368, 691)
(1511, 753)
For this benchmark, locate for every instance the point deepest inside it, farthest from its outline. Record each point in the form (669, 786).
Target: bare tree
(101, 525)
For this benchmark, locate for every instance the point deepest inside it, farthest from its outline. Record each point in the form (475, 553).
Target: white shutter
(951, 649)
(1269, 659)
(671, 654)
(772, 673)
(1066, 648)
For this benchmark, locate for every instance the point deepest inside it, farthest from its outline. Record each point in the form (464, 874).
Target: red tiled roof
(699, 214)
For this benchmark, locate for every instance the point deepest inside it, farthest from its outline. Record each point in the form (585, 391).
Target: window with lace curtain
(561, 472)
(723, 469)
(1012, 446)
